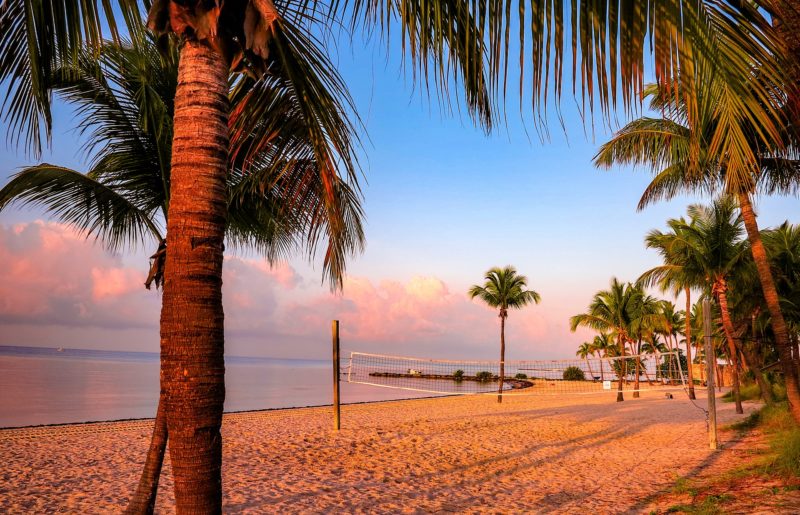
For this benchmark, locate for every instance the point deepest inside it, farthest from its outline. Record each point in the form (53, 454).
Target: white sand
(577, 454)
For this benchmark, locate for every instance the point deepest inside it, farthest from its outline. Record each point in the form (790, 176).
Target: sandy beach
(540, 454)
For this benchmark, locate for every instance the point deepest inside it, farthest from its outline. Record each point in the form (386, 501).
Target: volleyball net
(643, 372)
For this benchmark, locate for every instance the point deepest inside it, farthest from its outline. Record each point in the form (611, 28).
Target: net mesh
(660, 371)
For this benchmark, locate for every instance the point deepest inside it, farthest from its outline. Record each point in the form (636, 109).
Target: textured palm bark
(689, 369)
(192, 338)
(777, 321)
(143, 501)
(502, 357)
(727, 327)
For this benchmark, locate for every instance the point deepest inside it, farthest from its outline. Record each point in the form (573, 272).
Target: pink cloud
(52, 277)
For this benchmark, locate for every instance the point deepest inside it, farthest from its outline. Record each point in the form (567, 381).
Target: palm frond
(78, 200)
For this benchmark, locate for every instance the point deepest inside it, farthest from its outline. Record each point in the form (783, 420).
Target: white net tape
(661, 371)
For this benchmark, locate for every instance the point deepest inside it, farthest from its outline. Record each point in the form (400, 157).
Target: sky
(444, 203)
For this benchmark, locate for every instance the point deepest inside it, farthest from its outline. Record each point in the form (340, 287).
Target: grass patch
(711, 505)
(751, 392)
(783, 435)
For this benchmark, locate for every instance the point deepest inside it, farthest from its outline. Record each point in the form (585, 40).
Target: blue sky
(444, 202)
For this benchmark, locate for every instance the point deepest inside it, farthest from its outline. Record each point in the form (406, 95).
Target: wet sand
(533, 454)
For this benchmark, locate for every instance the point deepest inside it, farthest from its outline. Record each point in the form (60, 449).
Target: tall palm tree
(678, 275)
(611, 312)
(126, 99)
(689, 156)
(504, 289)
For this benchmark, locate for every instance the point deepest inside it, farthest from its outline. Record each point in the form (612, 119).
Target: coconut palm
(645, 320)
(126, 99)
(612, 312)
(670, 322)
(666, 146)
(504, 289)
(584, 351)
(714, 237)
(600, 346)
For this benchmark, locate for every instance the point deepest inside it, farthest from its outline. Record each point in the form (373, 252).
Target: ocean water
(50, 386)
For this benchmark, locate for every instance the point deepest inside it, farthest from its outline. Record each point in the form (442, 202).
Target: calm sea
(51, 386)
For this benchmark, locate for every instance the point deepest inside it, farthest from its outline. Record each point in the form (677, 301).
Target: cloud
(52, 277)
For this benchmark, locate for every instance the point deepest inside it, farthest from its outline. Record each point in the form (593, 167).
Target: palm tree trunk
(143, 501)
(689, 369)
(622, 362)
(502, 358)
(778, 323)
(192, 336)
(602, 374)
(638, 367)
(727, 327)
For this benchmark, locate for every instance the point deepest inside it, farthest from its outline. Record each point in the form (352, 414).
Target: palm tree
(464, 43)
(645, 320)
(600, 346)
(714, 237)
(584, 351)
(688, 155)
(126, 97)
(611, 312)
(670, 322)
(504, 289)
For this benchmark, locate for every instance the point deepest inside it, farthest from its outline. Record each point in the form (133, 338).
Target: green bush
(520, 375)
(484, 376)
(574, 374)
(458, 375)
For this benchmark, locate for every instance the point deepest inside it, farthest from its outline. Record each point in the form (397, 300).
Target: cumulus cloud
(52, 277)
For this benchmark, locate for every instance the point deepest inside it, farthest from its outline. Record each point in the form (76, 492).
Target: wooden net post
(336, 406)
(711, 359)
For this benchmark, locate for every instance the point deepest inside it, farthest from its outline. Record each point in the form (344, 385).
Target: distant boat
(60, 349)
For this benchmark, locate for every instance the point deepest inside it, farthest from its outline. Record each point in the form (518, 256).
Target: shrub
(458, 375)
(574, 374)
(520, 375)
(484, 376)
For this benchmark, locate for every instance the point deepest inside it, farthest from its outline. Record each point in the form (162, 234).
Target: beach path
(532, 454)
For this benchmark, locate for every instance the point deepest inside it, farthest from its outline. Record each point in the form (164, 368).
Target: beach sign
(606, 385)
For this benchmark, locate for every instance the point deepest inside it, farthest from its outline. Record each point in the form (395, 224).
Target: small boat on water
(60, 349)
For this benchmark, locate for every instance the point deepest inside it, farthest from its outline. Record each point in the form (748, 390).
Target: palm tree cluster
(704, 252)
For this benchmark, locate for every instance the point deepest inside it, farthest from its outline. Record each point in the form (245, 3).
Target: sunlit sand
(570, 454)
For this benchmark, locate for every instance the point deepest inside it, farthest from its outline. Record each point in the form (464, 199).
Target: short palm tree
(584, 351)
(645, 321)
(600, 346)
(612, 312)
(504, 289)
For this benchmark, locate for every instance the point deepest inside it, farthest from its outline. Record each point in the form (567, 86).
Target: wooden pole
(336, 406)
(711, 359)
